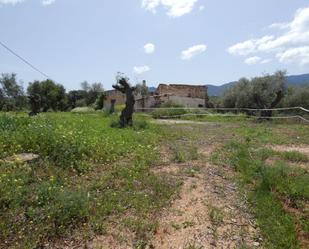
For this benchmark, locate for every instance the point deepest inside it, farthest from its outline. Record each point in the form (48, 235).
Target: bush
(269, 187)
(162, 113)
(80, 179)
(297, 96)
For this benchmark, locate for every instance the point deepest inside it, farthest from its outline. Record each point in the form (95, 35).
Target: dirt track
(209, 212)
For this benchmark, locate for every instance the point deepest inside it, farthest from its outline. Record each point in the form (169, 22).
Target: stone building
(116, 96)
(190, 91)
(186, 95)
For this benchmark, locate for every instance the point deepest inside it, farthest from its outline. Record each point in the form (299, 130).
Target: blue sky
(162, 41)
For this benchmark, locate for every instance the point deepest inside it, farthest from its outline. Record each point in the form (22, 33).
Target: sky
(161, 41)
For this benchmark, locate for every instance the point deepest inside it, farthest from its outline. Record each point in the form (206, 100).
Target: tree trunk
(35, 105)
(126, 117)
(112, 108)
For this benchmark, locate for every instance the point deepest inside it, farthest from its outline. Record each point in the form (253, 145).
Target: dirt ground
(209, 212)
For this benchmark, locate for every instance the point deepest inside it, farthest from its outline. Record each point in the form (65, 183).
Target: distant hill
(152, 89)
(293, 80)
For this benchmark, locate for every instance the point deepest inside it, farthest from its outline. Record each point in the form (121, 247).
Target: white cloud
(299, 55)
(265, 61)
(175, 8)
(202, 7)
(242, 48)
(48, 2)
(279, 25)
(249, 46)
(141, 69)
(253, 60)
(149, 48)
(13, 2)
(294, 38)
(193, 51)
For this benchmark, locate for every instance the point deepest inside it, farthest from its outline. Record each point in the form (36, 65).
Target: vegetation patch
(270, 187)
(87, 173)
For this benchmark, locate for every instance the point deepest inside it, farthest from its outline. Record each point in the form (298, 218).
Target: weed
(77, 183)
(193, 245)
(180, 156)
(183, 153)
(243, 246)
(294, 156)
(187, 224)
(176, 226)
(191, 171)
(215, 214)
(269, 185)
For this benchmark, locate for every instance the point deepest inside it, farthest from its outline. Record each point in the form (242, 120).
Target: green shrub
(170, 112)
(76, 184)
(294, 156)
(166, 113)
(268, 186)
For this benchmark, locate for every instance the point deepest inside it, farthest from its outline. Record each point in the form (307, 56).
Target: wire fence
(285, 113)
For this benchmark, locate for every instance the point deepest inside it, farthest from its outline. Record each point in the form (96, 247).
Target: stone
(256, 244)
(22, 157)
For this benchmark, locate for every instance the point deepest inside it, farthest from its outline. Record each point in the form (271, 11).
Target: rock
(256, 244)
(23, 157)
(213, 243)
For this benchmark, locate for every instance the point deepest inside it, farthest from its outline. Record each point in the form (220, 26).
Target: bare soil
(209, 212)
(304, 149)
(300, 148)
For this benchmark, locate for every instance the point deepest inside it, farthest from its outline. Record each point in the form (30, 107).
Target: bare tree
(123, 85)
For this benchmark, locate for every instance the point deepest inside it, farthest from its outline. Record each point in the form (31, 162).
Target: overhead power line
(24, 60)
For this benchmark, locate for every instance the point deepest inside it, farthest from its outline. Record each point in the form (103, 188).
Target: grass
(270, 188)
(193, 245)
(184, 152)
(191, 171)
(90, 174)
(278, 193)
(87, 172)
(216, 215)
(294, 156)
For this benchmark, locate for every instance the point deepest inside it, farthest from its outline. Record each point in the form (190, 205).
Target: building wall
(186, 95)
(156, 101)
(182, 90)
(116, 95)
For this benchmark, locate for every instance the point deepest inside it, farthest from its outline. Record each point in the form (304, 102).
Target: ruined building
(190, 91)
(186, 95)
(114, 96)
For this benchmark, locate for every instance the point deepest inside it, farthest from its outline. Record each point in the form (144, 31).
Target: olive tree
(239, 95)
(92, 92)
(268, 91)
(47, 95)
(123, 85)
(264, 92)
(297, 96)
(99, 104)
(12, 95)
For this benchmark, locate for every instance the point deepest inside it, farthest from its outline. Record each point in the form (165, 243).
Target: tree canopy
(259, 92)
(12, 96)
(51, 96)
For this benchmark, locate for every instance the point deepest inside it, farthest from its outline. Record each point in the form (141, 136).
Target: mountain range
(292, 80)
(215, 90)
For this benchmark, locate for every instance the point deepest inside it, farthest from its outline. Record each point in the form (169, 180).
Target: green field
(90, 176)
